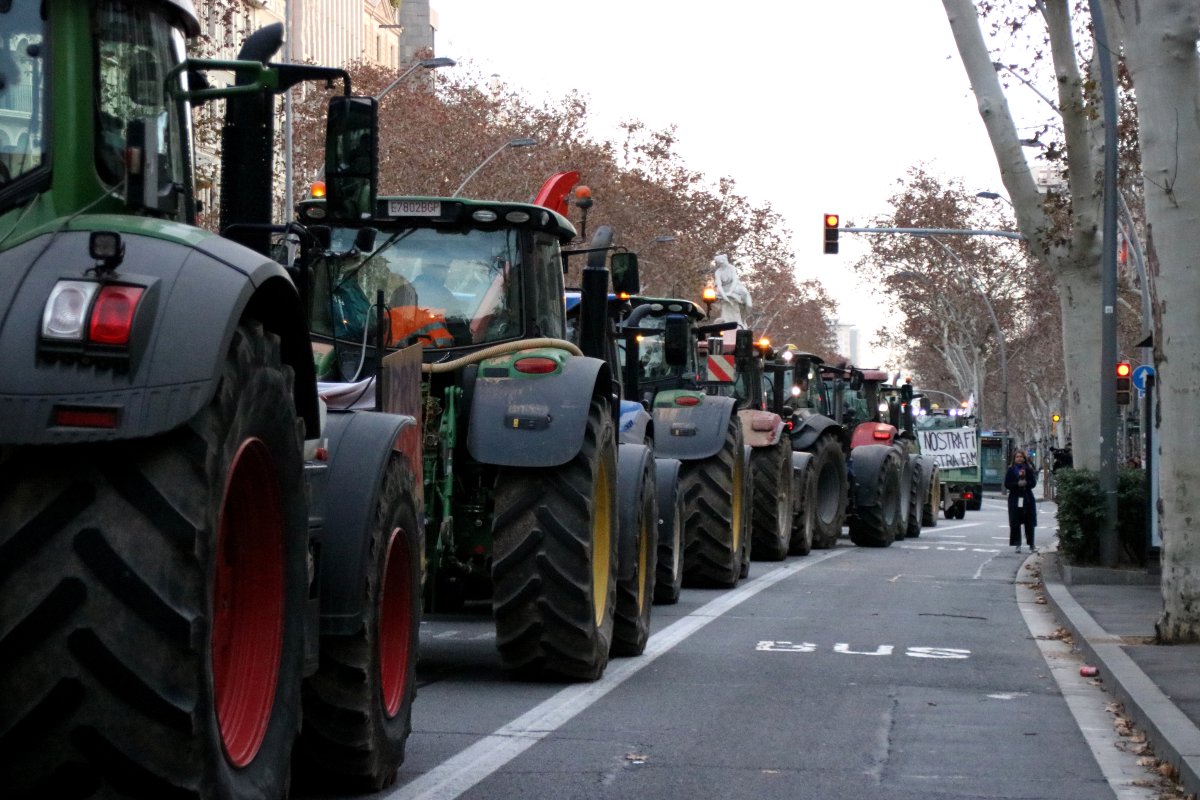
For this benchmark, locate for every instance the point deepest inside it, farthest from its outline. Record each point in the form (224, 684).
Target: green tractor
(203, 572)
(520, 470)
(794, 387)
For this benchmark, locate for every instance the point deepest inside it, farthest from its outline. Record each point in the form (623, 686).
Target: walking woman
(1022, 508)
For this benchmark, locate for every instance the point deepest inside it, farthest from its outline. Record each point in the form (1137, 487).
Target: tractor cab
(129, 149)
(450, 274)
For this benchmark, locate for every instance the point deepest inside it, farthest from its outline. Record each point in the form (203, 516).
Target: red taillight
(883, 434)
(968, 495)
(687, 400)
(66, 417)
(112, 314)
(535, 365)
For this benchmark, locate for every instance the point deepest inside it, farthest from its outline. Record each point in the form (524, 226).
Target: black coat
(1016, 514)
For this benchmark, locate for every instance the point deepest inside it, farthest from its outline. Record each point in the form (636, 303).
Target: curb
(1174, 737)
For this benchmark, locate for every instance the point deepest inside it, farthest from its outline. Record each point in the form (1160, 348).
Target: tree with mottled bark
(1159, 39)
(1063, 231)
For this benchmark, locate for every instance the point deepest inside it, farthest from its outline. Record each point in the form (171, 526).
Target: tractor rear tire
(876, 525)
(830, 481)
(668, 581)
(916, 500)
(636, 571)
(933, 501)
(804, 521)
(713, 492)
(554, 565)
(771, 488)
(119, 677)
(358, 705)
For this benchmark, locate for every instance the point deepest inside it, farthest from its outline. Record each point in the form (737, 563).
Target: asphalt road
(923, 670)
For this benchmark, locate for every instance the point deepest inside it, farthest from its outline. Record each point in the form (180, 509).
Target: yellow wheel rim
(601, 541)
(644, 560)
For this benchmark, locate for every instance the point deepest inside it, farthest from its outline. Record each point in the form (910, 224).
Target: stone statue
(732, 295)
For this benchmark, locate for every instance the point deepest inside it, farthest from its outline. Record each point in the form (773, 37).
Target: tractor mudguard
(801, 461)
(868, 462)
(631, 466)
(359, 444)
(690, 433)
(760, 428)
(808, 429)
(535, 420)
(197, 287)
(635, 426)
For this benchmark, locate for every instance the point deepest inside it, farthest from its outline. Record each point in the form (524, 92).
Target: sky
(812, 107)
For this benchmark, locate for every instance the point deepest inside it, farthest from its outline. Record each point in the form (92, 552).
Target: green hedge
(1081, 511)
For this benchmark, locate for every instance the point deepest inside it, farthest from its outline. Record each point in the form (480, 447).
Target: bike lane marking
(462, 771)
(1086, 702)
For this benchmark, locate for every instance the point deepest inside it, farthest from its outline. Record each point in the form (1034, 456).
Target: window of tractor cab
(24, 91)
(442, 289)
(136, 49)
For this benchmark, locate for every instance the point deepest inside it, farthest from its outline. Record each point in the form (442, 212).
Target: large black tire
(876, 525)
(933, 501)
(119, 680)
(636, 560)
(668, 581)
(554, 565)
(713, 491)
(829, 490)
(358, 705)
(916, 497)
(772, 502)
(804, 520)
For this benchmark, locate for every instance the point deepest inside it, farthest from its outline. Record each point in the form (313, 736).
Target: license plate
(414, 208)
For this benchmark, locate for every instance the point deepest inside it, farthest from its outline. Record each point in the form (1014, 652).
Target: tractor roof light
(710, 294)
(316, 190)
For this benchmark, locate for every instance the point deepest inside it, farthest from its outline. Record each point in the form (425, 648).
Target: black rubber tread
(106, 565)
(668, 580)
(804, 521)
(912, 528)
(713, 538)
(876, 525)
(771, 503)
(542, 560)
(830, 490)
(635, 596)
(933, 502)
(348, 743)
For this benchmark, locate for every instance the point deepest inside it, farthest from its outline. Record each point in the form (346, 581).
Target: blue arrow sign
(1139, 376)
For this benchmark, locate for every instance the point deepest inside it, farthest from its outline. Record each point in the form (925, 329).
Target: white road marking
(1086, 702)
(460, 772)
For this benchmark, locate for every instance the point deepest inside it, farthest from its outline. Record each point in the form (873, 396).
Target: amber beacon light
(831, 233)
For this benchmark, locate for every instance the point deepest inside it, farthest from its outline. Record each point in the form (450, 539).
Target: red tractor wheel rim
(248, 607)
(395, 622)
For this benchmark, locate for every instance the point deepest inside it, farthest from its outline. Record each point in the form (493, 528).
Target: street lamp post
(526, 142)
(426, 63)
(995, 323)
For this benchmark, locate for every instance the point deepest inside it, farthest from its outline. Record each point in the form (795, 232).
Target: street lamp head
(434, 63)
(526, 142)
(988, 195)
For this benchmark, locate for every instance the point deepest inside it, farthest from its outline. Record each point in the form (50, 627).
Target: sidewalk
(1113, 626)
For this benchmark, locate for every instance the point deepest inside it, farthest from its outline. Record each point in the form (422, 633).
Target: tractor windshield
(23, 91)
(443, 289)
(136, 49)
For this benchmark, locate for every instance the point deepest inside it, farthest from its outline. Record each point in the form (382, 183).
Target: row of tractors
(233, 481)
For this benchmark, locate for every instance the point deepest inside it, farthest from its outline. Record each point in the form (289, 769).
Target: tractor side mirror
(351, 157)
(625, 279)
(856, 380)
(677, 338)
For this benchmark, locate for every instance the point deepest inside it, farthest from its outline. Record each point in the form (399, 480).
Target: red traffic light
(831, 220)
(1123, 369)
